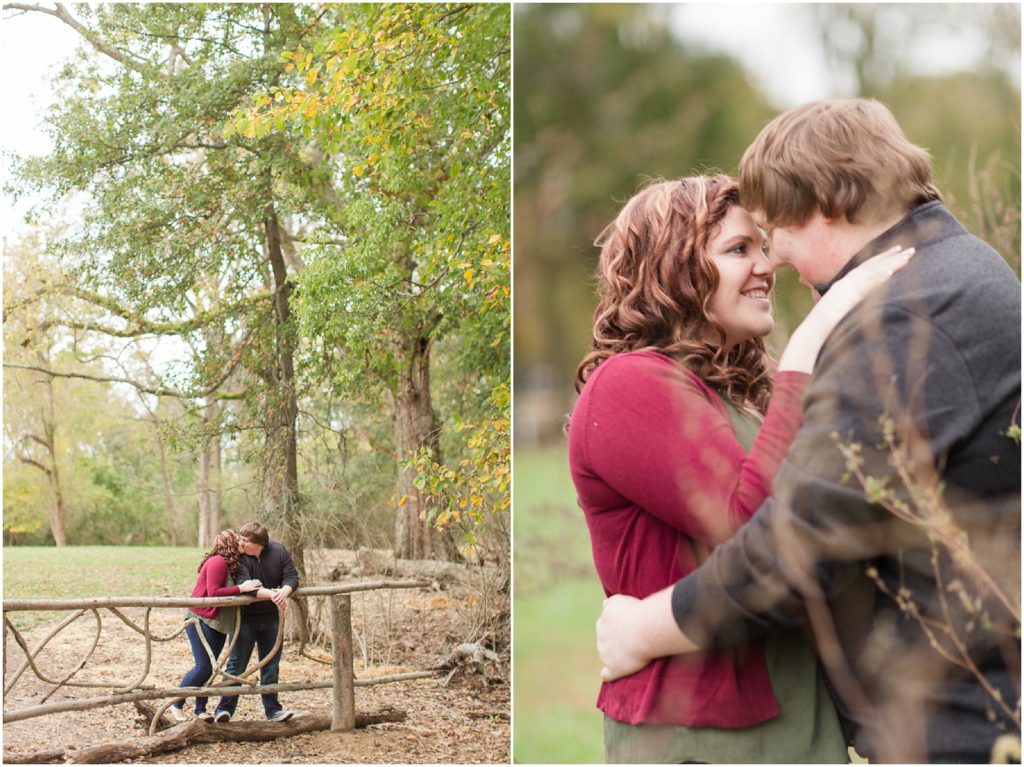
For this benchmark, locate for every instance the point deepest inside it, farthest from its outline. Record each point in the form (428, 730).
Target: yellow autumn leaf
(404, 500)
(468, 275)
(493, 239)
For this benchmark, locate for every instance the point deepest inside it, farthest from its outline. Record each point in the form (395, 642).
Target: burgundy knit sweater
(210, 583)
(662, 479)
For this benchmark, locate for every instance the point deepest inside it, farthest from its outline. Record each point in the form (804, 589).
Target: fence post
(344, 715)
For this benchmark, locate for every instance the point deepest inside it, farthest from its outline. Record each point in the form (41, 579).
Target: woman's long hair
(656, 282)
(225, 544)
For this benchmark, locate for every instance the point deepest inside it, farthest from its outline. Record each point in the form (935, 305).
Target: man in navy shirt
(269, 562)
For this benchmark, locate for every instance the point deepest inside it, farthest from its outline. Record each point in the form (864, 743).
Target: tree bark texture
(208, 482)
(203, 495)
(58, 514)
(416, 427)
(281, 468)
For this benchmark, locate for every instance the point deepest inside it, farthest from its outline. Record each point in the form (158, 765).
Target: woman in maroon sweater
(215, 579)
(663, 456)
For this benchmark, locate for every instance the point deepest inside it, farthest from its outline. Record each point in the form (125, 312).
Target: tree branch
(155, 391)
(33, 462)
(38, 440)
(128, 59)
(139, 325)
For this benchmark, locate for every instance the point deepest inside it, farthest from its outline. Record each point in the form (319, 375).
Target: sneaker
(222, 716)
(205, 716)
(281, 716)
(177, 714)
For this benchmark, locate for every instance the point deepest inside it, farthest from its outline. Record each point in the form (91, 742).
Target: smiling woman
(663, 455)
(745, 278)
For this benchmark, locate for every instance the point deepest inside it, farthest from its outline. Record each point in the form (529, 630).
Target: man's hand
(280, 597)
(616, 630)
(632, 632)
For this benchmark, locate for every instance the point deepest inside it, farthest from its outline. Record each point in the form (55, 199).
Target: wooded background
(609, 96)
(265, 276)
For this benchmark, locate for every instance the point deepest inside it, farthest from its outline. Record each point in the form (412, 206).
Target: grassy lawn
(72, 572)
(557, 600)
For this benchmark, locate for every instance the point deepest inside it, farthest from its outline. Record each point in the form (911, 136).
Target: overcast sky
(32, 47)
(781, 50)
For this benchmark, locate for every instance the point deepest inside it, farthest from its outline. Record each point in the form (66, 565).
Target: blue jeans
(203, 669)
(259, 631)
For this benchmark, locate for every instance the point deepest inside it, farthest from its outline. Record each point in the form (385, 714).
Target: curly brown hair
(656, 282)
(226, 545)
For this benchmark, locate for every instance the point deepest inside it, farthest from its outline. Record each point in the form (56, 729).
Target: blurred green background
(607, 96)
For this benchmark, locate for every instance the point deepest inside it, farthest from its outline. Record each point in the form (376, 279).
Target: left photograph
(256, 385)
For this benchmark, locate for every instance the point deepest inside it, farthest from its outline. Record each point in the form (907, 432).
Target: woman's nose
(763, 267)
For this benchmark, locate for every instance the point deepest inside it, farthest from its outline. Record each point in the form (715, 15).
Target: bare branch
(156, 391)
(38, 440)
(159, 392)
(33, 462)
(138, 324)
(126, 58)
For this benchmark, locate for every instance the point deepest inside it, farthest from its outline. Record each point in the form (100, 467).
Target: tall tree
(174, 204)
(30, 339)
(414, 101)
(87, 453)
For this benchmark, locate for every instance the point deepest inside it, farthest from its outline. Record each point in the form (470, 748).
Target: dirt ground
(465, 720)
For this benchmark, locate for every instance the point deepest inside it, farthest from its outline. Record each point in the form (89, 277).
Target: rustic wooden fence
(342, 682)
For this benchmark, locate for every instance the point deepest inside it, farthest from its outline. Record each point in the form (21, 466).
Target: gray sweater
(937, 350)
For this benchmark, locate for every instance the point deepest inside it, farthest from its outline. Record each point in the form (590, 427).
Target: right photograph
(767, 344)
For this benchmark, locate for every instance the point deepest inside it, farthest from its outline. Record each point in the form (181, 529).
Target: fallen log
(40, 757)
(188, 733)
(147, 711)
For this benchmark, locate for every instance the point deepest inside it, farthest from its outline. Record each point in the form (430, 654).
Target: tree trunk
(58, 514)
(172, 509)
(215, 487)
(208, 482)
(281, 470)
(415, 428)
(203, 493)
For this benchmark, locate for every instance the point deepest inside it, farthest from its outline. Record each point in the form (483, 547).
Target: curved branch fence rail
(343, 681)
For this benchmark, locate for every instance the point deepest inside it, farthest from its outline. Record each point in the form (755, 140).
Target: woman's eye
(741, 248)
